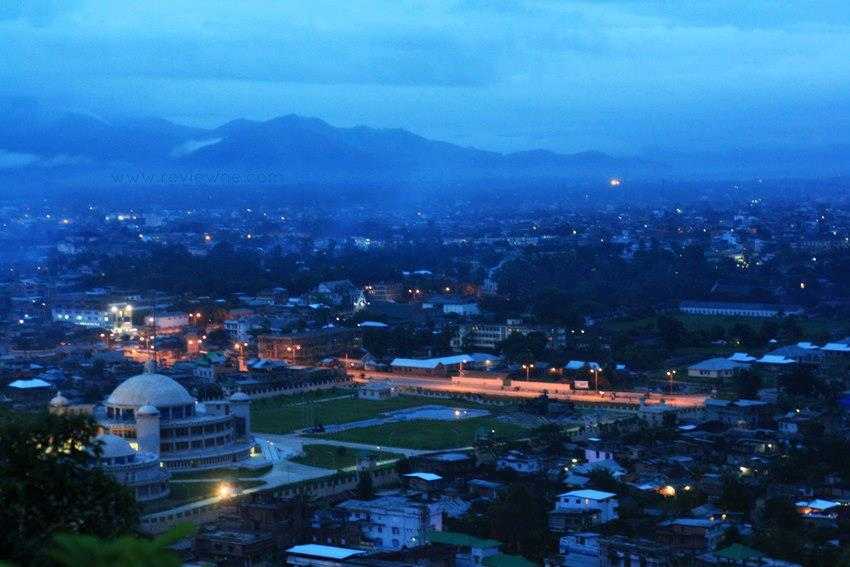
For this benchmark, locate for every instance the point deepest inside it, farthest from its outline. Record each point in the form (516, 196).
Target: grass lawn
(427, 434)
(330, 457)
(187, 492)
(221, 473)
(285, 417)
(306, 397)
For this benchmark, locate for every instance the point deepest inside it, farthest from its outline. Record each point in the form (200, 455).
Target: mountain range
(293, 147)
(39, 149)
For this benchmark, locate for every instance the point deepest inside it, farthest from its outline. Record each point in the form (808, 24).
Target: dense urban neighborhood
(453, 384)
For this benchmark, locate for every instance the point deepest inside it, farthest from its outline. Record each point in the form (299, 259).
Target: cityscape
(284, 340)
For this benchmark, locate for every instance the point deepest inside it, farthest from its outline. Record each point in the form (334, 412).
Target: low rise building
(442, 366)
(394, 521)
(716, 368)
(585, 500)
(308, 347)
(377, 390)
(731, 309)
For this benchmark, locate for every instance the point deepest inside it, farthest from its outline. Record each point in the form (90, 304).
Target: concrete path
(292, 444)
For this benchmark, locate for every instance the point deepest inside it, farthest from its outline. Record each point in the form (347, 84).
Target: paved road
(440, 384)
(291, 444)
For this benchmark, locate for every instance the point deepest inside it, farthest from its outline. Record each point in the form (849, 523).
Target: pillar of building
(147, 429)
(240, 408)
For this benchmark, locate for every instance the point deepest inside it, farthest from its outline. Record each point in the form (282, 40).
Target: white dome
(239, 396)
(113, 446)
(150, 389)
(59, 400)
(147, 410)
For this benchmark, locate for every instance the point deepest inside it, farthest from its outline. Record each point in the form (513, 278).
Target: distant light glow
(615, 182)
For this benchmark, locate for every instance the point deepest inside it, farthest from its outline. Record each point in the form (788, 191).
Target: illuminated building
(160, 417)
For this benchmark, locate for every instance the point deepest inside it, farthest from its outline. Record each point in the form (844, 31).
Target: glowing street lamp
(226, 490)
(595, 372)
(671, 377)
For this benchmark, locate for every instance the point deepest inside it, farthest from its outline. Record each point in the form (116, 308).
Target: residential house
(580, 549)
(589, 500)
(716, 368)
(394, 521)
(520, 462)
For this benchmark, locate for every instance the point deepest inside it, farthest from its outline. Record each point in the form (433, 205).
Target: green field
(428, 434)
(187, 492)
(306, 397)
(330, 457)
(282, 416)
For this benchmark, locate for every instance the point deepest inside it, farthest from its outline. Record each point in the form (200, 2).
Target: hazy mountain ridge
(303, 147)
(78, 148)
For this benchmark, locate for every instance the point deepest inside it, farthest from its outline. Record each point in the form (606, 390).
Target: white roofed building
(157, 415)
(588, 500)
(395, 522)
(377, 390)
(716, 368)
(442, 366)
(316, 555)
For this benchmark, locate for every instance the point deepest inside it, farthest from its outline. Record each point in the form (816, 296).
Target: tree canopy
(49, 485)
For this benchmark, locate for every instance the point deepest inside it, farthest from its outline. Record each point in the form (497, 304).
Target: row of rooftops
(741, 306)
(432, 363)
(789, 354)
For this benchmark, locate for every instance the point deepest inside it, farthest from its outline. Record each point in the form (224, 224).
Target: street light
(527, 368)
(595, 372)
(671, 376)
(226, 490)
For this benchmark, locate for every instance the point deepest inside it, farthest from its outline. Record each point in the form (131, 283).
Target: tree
(747, 384)
(524, 348)
(549, 437)
(735, 497)
(672, 331)
(800, 381)
(49, 483)
(603, 480)
(779, 530)
(365, 488)
(89, 551)
(519, 520)
(743, 335)
(554, 306)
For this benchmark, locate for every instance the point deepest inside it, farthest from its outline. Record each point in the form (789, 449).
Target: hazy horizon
(622, 77)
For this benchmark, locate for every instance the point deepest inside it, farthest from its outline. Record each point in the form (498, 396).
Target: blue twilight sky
(615, 75)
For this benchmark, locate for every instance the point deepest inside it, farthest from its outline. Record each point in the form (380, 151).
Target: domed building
(137, 470)
(159, 416)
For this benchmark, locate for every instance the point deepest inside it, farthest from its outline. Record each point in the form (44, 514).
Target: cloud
(36, 12)
(15, 160)
(502, 74)
(18, 160)
(191, 146)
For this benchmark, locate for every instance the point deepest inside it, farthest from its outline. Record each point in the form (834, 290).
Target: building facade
(308, 347)
(158, 416)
